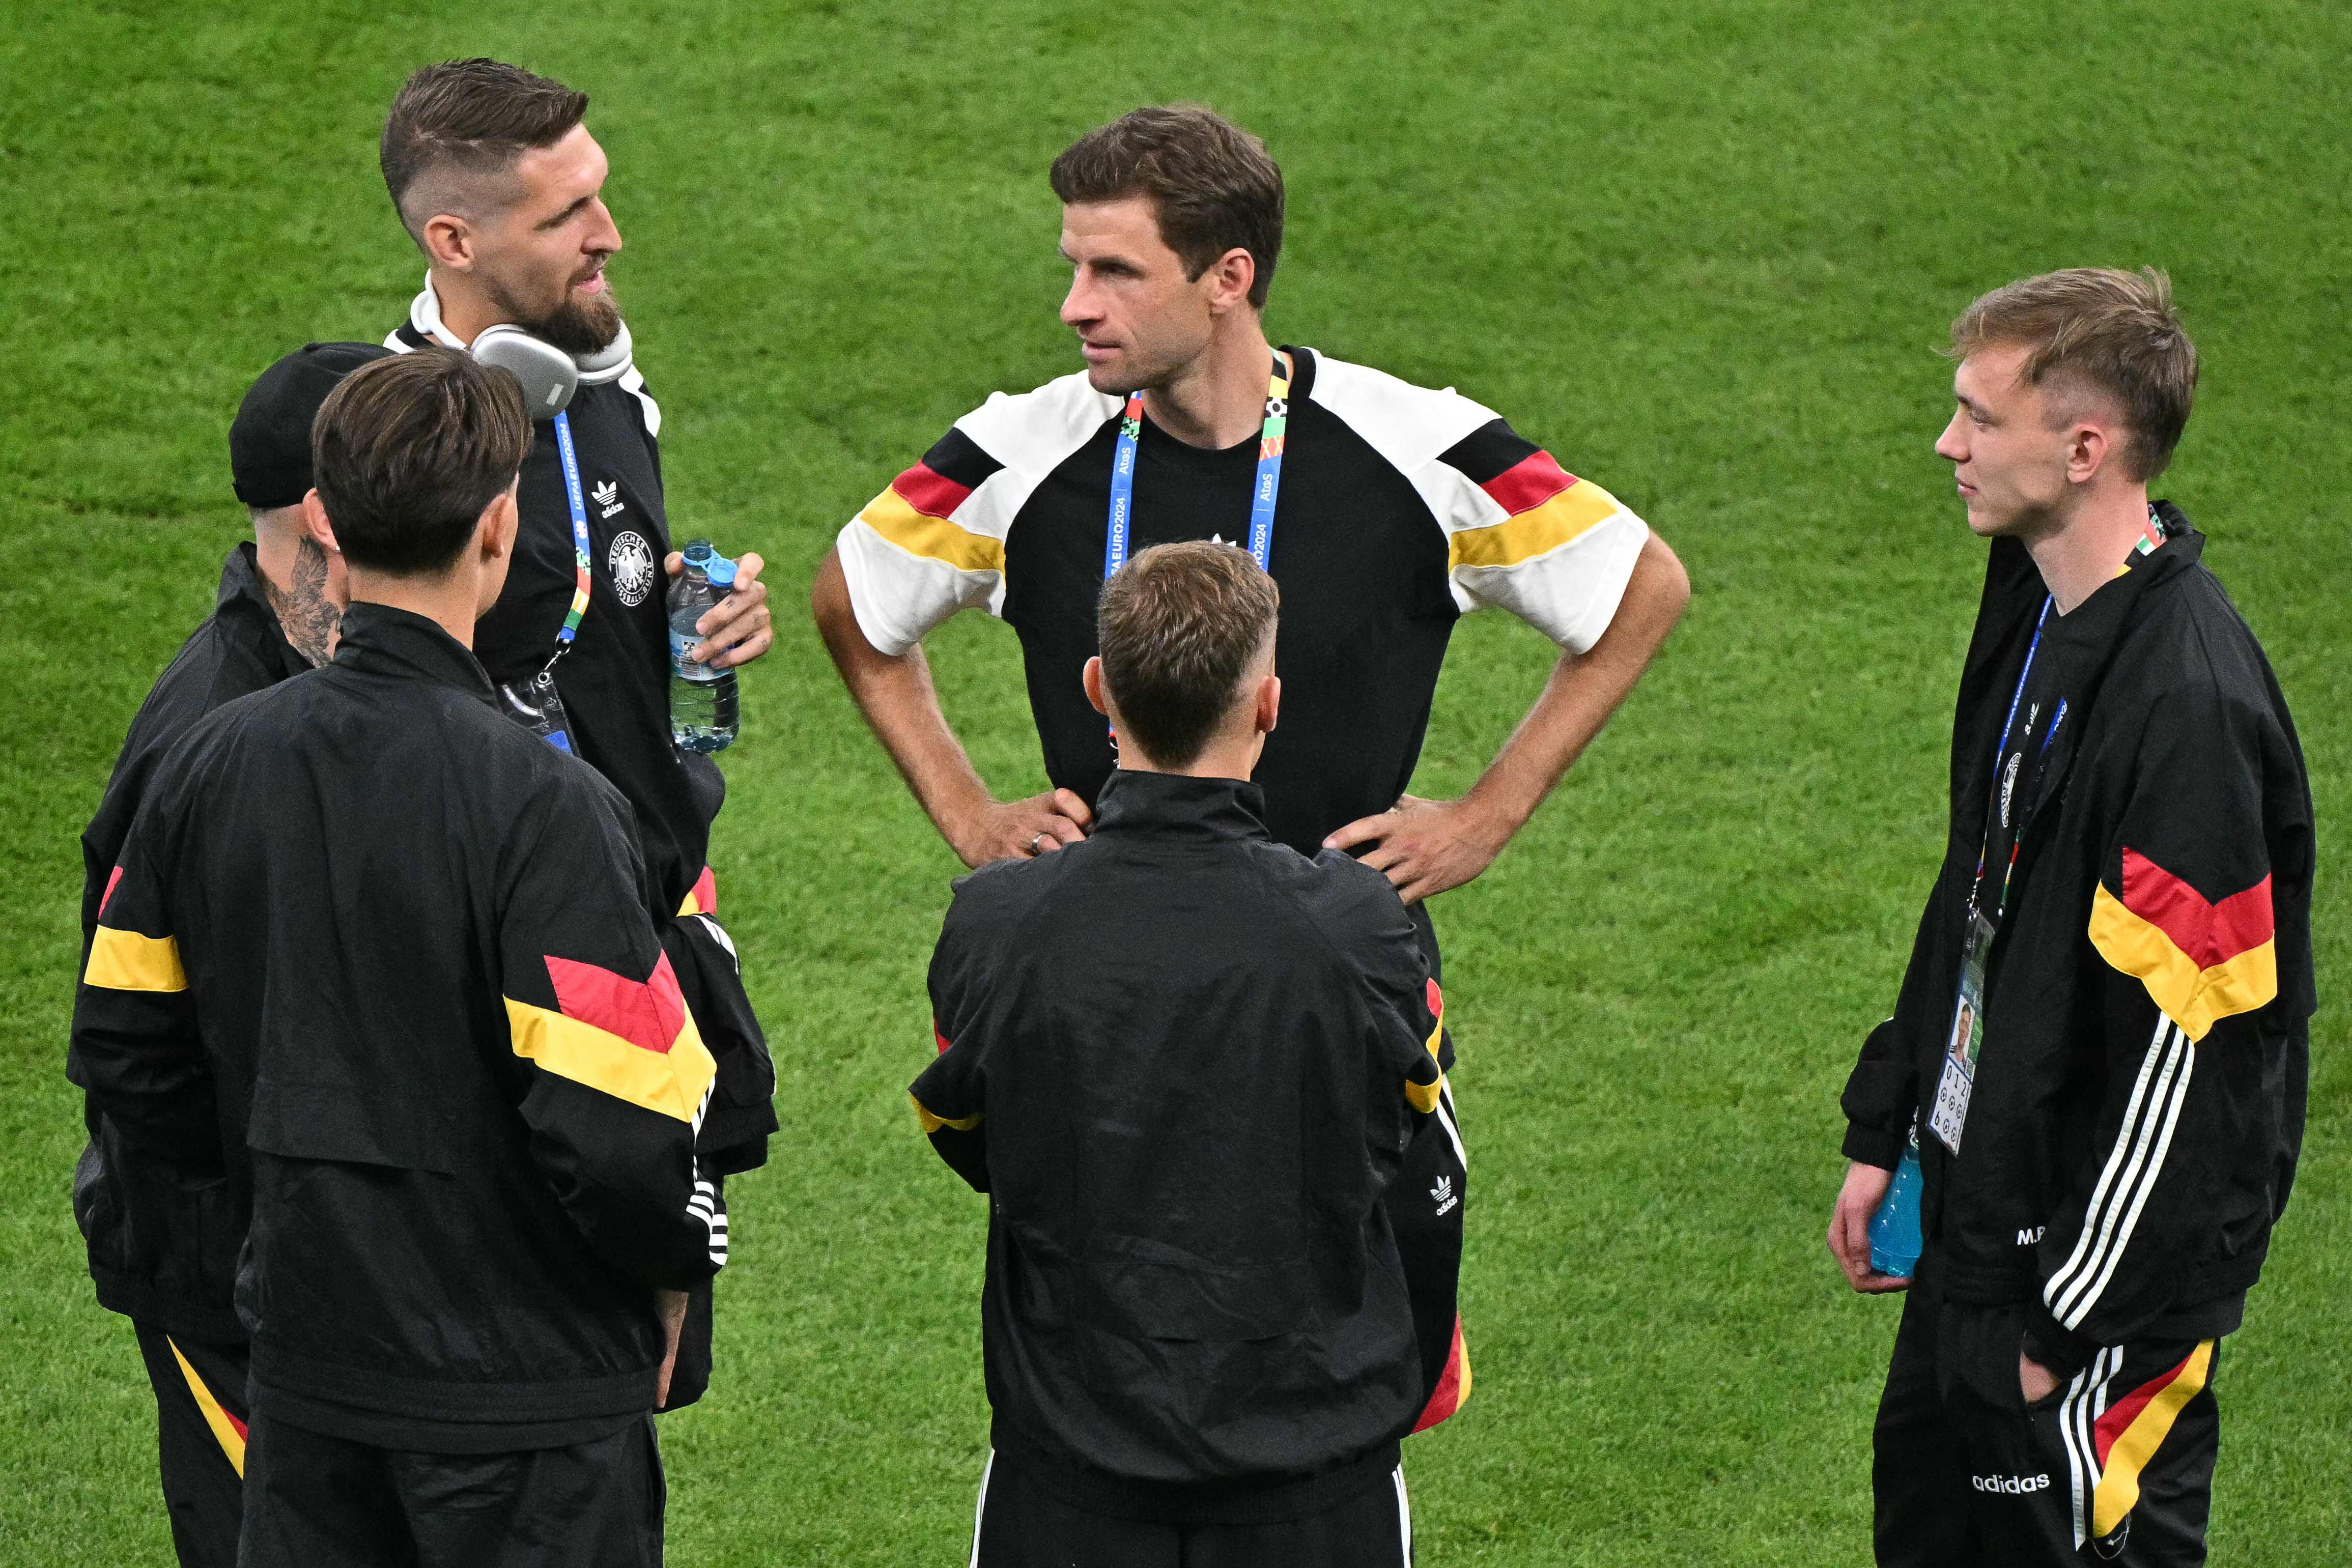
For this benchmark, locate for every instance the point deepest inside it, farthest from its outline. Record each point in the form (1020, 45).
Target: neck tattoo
(304, 613)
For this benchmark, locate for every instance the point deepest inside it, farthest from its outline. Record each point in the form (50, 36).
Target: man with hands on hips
(1385, 511)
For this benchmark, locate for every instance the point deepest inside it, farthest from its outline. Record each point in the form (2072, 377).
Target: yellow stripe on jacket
(671, 1082)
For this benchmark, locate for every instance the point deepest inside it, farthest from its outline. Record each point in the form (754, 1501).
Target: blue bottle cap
(697, 553)
(721, 572)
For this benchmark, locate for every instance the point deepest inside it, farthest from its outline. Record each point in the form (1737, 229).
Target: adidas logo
(1445, 1194)
(2010, 1483)
(608, 497)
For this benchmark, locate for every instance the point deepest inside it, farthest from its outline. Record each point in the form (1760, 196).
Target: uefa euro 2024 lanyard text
(1965, 1044)
(1262, 491)
(1262, 495)
(538, 705)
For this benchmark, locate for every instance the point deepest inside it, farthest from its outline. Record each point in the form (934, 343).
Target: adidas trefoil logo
(608, 497)
(1444, 1192)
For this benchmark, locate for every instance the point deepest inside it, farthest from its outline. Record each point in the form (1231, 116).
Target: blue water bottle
(1894, 1229)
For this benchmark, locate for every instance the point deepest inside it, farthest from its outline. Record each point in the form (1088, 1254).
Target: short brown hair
(408, 451)
(1213, 184)
(2106, 331)
(470, 117)
(1179, 626)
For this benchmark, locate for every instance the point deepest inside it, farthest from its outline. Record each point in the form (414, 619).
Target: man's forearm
(901, 707)
(1583, 690)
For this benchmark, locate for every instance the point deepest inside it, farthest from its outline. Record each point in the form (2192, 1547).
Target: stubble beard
(580, 326)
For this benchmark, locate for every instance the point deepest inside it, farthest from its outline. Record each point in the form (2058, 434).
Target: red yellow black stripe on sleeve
(1424, 1097)
(702, 898)
(931, 1119)
(917, 512)
(1453, 1390)
(2201, 960)
(2130, 1431)
(1544, 505)
(633, 1040)
(126, 960)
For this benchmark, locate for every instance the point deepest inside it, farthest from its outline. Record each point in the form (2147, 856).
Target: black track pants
(318, 1501)
(200, 1422)
(1020, 1525)
(2115, 1466)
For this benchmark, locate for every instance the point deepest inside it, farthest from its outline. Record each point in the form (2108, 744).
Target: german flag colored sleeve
(1524, 535)
(951, 1093)
(2182, 918)
(136, 1049)
(931, 544)
(615, 1074)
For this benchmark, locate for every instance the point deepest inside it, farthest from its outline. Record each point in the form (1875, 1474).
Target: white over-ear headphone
(550, 377)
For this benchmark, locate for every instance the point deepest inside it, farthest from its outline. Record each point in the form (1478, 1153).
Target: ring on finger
(1035, 840)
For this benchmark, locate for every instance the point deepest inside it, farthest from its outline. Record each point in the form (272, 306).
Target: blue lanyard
(579, 535)
(1267, 487)
(1993, 799)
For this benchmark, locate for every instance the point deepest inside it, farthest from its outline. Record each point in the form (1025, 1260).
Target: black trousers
(200, 1432)
(1424, 1208)
(2117, 1466)
(1020, 1525)
(319, 1501)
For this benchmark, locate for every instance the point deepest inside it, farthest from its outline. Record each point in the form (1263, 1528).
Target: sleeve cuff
(2054, 1345)
(1873, 1147)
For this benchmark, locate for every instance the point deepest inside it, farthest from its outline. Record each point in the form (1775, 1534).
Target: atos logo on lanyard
(1262, 494)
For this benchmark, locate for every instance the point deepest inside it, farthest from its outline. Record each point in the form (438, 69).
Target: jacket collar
(2093, 626)
(378, 640)
(245, 601)
(1220, 808)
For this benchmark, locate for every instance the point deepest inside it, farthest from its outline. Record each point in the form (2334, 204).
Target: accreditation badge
(1965, 1043)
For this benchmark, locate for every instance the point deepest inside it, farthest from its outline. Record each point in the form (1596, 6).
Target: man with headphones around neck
(498, 182)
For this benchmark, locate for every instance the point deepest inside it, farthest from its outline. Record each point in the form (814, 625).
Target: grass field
(1704, 252)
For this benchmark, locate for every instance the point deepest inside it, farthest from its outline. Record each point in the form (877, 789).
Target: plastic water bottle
(703, 711)
(1894, 1229)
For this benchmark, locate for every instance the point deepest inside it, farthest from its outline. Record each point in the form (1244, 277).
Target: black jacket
(2138, 1104)
(162, 1250)
(615, 688)
(1184, 1061)
(379, 956)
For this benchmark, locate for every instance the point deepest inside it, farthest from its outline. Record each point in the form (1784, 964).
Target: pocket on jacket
(329, 1122)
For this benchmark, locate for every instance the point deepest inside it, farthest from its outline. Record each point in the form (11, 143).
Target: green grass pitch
(1704, 252)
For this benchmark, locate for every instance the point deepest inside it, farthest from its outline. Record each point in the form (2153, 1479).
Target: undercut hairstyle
(2097, 331)
(1212, 184)
(1181, 626)
(459, 125)
(409, 450)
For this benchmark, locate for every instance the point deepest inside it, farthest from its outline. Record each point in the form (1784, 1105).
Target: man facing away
(378, 958)
(1199, 1345)
(1385, 510)
(160, 1252)
(2101, 1043)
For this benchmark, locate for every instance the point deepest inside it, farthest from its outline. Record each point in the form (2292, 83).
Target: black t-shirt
(615, 680)
(1400, 508)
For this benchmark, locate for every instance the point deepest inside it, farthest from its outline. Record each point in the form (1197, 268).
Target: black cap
(270, 442)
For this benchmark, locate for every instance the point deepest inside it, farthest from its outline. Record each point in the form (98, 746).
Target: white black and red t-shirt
(1400, 510)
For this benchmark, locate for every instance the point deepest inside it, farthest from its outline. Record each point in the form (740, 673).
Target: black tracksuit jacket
(162, 1250)
(1184, 1062)
(2138, 1104)
(377, 957)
